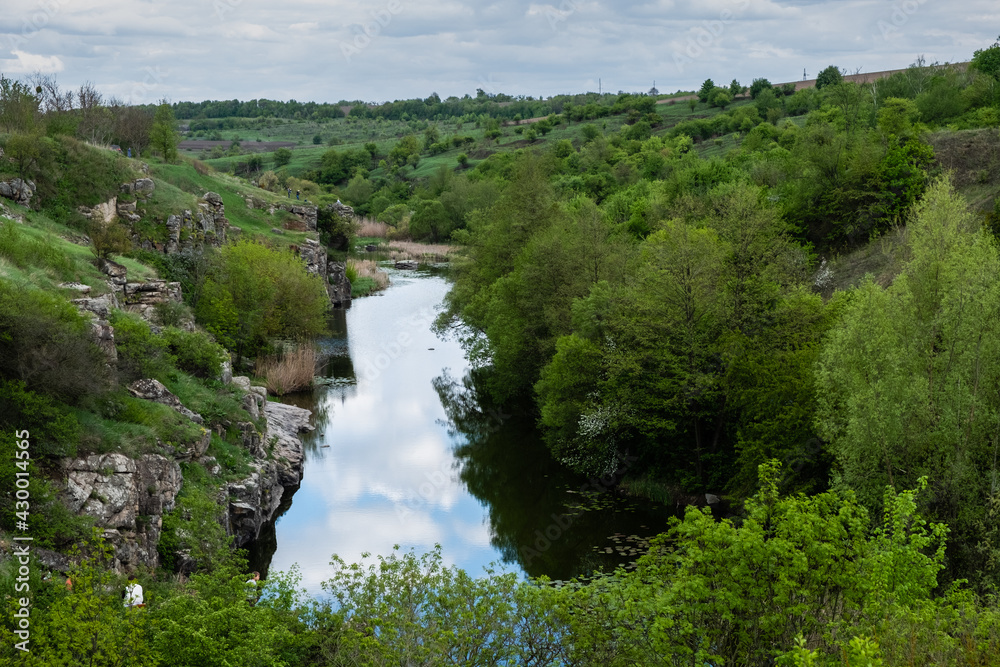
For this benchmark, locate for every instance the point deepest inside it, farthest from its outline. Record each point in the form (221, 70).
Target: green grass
(255, 222)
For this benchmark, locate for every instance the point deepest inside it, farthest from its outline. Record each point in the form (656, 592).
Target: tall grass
(437, 252)
(373, 228)
(26, 252)
(288, 372)
(365, 277)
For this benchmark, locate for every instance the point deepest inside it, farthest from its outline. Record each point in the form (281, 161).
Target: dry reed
(436, 252)
(367, 268)
(288, 372)
(373, 228)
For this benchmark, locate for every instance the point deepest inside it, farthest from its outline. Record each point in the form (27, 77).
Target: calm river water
(404, 454)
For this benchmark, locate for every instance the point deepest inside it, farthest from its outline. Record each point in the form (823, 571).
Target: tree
(758, 86)
(163, 136)
(721, 98)
(463, 160)
(18, 106)
(282, 156)
(907, 381)
(430, 219)
(987, 60)
(706, 90)
(256, 293)
(735, 89)
(25, 150)
(829, 76)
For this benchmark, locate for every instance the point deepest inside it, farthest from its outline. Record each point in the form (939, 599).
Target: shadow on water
(543, 518)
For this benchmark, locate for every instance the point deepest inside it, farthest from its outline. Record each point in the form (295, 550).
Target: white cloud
(26, 63)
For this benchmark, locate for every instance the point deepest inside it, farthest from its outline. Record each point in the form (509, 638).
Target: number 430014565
(23, 457)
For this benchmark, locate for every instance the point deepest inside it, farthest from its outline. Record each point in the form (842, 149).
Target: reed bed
(437, 252)
(288, 372)
(365, 277)
(373, 228)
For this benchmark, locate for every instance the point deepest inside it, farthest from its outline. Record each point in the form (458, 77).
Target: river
(404, 454)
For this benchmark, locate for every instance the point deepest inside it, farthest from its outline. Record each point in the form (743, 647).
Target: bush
(195, 352)
(256, 293)
(141, 353)
(47, 344)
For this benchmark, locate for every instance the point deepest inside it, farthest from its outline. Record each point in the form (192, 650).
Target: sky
(329, 50)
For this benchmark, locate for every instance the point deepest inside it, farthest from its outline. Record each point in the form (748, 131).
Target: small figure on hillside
(69, 584)
(133, 593)
(130, 151)
(289, 193)
(252, 591)
(297, 193)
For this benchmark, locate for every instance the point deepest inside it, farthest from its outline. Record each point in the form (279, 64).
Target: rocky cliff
(128, 497)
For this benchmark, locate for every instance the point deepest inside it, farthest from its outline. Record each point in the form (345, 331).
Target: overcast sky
(328, 50)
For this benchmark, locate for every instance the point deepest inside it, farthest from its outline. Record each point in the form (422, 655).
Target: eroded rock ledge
(129, 497)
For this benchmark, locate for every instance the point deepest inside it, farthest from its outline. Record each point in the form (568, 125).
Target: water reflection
(403, 453)
(543, 518)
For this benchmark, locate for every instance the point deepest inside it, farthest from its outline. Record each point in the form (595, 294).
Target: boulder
(116, 273)
(409, 264)
(153, 390)
(140, 186)
(17, 190)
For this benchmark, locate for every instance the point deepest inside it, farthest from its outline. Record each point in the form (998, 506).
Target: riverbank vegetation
(786, 298)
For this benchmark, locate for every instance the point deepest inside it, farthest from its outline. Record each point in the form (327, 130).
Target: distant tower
(803, 73)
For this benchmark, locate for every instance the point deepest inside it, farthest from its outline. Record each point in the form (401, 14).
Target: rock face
(334, 275)
(116, 273)
(337, 284)
(17, 190)
(153, 390)
(99, 309)
(128, 498)
(142, 187)
(144, 297)
(104, 213)
(254, 500)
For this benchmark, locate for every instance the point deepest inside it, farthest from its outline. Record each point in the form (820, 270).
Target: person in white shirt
(133, 593)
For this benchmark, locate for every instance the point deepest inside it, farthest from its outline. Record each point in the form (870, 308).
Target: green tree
(706, 90)
(987, 60)
(735, 89)
(256, 293)
(18, 106)
(757, 86)
(829, 77)
(281, 157)
(905, 380)
(163, 137)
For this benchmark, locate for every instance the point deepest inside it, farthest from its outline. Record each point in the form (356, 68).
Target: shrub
(195, 352)
(256, 293)
(141, 353)
(107, 239)
(47, 344)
